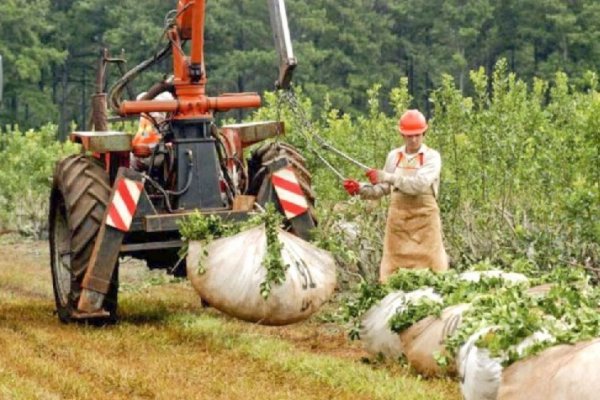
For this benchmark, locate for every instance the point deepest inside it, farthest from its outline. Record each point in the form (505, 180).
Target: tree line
(51, 48)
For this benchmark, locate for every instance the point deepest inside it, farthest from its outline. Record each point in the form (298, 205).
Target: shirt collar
(422, 149)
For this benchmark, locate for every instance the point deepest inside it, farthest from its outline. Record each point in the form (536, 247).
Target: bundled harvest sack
(540, 290)
(232, 271)
(375, 332)
(562, 372)
(480, 373)
(427, 337)
(508, 277)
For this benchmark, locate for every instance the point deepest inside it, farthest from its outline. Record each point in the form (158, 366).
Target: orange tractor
(116, 199)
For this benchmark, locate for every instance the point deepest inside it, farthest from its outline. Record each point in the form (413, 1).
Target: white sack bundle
(508, 277)
(233, 273)
(480, 374)
(540, 290)
(375, 331)
(565, 372)
(427, 337)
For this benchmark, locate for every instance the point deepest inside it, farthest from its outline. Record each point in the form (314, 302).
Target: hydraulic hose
(115, 92)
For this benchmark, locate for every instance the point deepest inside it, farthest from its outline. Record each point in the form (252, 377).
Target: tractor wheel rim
(62, 258)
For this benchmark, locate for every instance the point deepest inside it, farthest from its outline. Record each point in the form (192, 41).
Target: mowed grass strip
(360, 379)
(182, 355)
(167, 346)
(148, 360)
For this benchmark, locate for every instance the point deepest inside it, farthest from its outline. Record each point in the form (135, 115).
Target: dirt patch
(31, 260)
(166, 339)
(322, 338)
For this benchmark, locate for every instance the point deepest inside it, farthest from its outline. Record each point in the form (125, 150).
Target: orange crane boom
(189, 73)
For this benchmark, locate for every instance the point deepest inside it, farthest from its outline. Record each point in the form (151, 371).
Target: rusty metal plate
(168, 222)
(103, 141)
(254, 132)
(171, 244)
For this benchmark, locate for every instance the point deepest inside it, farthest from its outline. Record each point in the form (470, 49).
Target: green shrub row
(28, 160)
(520, 178)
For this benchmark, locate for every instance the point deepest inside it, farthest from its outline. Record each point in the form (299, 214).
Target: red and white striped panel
(290, 193)
(124, 204)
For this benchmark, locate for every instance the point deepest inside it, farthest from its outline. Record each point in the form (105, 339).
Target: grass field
(167, 346)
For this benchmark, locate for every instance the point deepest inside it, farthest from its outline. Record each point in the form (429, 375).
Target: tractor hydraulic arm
(283, 43)
(201, 105)
(189, 73)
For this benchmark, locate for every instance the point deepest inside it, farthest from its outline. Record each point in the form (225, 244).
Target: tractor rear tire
(258, 170)
(79, 197)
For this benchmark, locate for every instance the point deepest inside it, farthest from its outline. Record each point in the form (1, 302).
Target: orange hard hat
(412, 122)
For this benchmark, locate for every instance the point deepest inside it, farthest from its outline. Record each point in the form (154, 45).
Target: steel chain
(306, 127)
(278, 107)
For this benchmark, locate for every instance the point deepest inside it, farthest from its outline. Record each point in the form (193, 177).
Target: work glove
(351, 186)
(378, 176)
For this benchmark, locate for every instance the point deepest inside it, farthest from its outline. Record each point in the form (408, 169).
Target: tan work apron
(413, 235)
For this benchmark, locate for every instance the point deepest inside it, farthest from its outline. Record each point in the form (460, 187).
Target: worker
(413, 232)
(148, 136)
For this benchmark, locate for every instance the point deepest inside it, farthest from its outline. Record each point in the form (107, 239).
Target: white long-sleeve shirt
(413, 174)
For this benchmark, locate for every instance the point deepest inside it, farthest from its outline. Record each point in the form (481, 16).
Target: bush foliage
(520, 176)
(28, 160)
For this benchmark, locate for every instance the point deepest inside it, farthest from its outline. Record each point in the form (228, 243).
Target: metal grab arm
(283, 43)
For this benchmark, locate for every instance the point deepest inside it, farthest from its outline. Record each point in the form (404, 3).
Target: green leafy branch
(414, 312)
(272, 262)
(207, 228)
(568, 312)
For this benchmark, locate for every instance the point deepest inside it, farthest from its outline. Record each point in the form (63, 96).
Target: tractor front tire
(78, 200)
